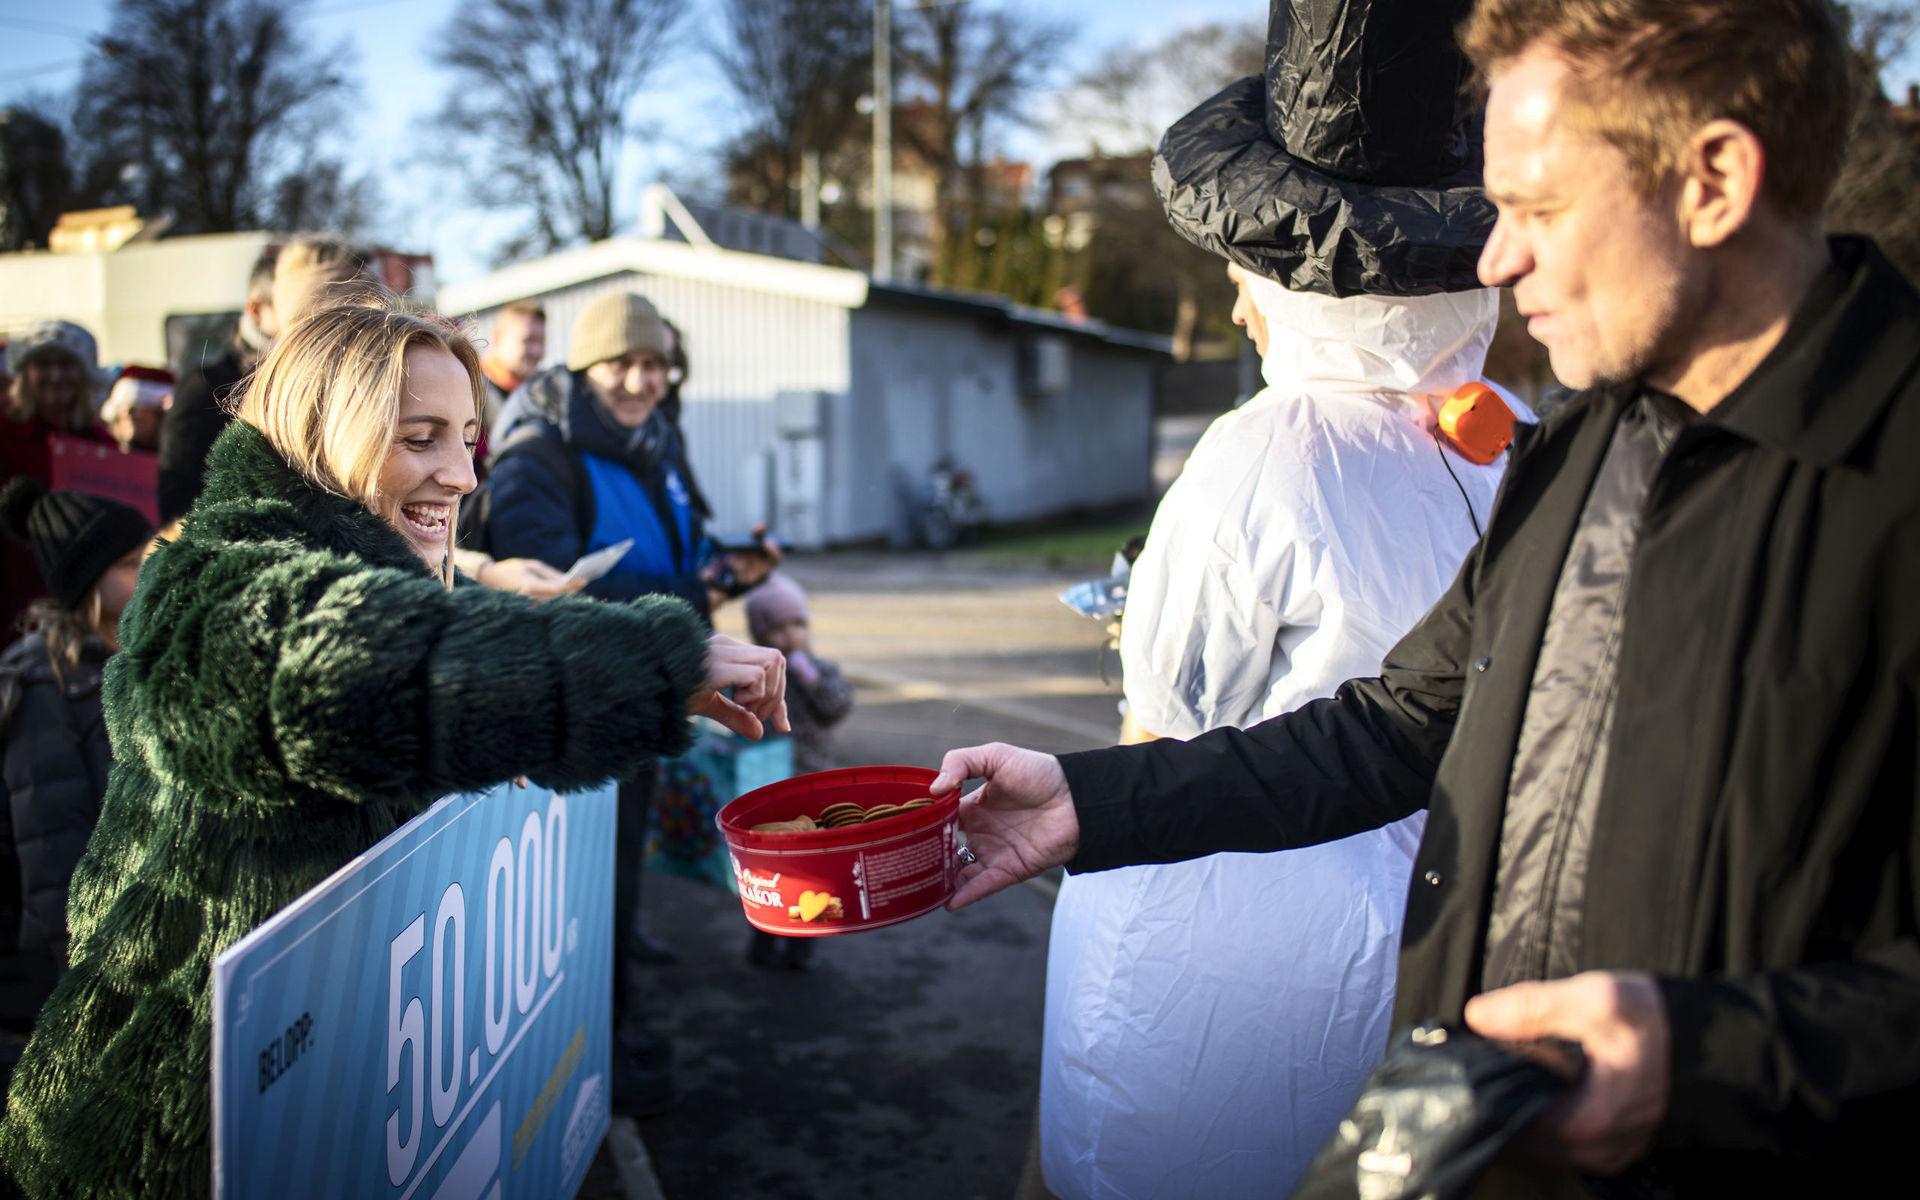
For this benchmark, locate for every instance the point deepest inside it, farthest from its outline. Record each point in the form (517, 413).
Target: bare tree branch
(1880, 176)
(1125, 102)
(796, 66)
(976, 68)
(1134, 270)
(540, 115)
(34, 178)
(201, 108)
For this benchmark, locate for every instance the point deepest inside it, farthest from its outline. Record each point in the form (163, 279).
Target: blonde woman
(299, 676)
(56, 386)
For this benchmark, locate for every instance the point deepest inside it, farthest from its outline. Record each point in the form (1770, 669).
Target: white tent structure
(125, 294)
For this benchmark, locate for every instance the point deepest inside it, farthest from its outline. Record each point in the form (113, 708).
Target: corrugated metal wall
(929, 383)
(745, 347)
(903, 385)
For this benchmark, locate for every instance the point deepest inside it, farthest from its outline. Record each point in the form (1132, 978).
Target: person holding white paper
(587, 461)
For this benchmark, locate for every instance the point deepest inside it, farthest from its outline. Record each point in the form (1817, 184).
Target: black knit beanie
(75, 537)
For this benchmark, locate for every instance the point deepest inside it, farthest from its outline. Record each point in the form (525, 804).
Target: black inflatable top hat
(1352, 167)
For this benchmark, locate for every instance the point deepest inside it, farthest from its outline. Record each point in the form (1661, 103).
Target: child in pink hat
(818, 698)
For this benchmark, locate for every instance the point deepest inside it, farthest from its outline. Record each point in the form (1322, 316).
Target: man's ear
(1721, 174)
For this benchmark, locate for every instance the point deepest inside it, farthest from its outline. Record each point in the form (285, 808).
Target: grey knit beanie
(55, 337)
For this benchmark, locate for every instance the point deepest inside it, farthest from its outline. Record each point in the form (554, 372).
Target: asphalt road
(904, 1061)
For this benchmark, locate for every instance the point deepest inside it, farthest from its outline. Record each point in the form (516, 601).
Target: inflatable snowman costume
(1208, 1023)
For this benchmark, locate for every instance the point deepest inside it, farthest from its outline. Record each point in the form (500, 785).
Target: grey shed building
(820, 402)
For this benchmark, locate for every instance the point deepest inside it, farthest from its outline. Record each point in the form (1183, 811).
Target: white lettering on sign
(524, 932)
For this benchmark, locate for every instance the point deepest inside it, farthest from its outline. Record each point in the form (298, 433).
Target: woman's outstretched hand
(1020, 823)
(757, 677)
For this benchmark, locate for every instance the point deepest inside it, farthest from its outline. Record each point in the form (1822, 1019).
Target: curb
(637, 1180)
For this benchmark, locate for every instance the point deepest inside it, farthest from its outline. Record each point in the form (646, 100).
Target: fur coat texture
(293, 687)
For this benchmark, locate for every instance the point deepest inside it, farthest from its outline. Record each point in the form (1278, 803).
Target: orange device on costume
(1477, 422)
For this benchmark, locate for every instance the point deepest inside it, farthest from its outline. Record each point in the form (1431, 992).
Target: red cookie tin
(845, 880)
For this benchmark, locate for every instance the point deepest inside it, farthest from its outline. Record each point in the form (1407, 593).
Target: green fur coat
(293, 686)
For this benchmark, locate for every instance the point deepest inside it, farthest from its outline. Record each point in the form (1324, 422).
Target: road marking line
(922, 689)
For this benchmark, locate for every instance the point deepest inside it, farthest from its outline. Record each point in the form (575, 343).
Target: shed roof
(766, 274)
(657, 256)
(1005, 313)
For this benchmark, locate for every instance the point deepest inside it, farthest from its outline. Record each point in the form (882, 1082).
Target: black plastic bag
(1435, 1114)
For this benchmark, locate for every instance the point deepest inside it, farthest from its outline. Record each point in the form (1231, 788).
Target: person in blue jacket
(585, 459)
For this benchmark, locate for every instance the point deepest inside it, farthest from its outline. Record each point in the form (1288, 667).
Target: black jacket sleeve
(1775, 1061)
(1360, 759)
(192, 425)
(1768, 1062)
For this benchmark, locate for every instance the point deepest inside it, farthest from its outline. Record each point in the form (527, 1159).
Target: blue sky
(42, 45)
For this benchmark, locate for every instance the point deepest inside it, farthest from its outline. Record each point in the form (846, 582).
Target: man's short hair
(260, 279)
(533, 310)
(1651, 72)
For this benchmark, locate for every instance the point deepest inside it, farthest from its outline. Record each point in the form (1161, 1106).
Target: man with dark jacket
(1665, 721)
(198, 414)
(584, 460)
(286, 283)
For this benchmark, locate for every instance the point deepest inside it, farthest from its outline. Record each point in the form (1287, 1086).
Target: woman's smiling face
(430, 464)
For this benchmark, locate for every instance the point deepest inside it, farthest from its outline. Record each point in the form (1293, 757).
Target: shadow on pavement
(903, 1063)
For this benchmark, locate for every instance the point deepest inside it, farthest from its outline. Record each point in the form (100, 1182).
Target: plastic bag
(684, 838)
(1436, 1112)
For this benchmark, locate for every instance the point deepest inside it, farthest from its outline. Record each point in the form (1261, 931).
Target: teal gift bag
(684, 838)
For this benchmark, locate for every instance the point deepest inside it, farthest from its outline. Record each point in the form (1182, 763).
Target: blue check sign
(432, 1021)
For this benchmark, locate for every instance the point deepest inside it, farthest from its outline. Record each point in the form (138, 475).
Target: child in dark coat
(53, 741)
(818, 698)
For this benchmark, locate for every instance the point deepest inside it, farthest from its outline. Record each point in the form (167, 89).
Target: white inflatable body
(1209, 1022)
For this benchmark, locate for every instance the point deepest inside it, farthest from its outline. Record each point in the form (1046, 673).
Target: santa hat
(137, 387)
